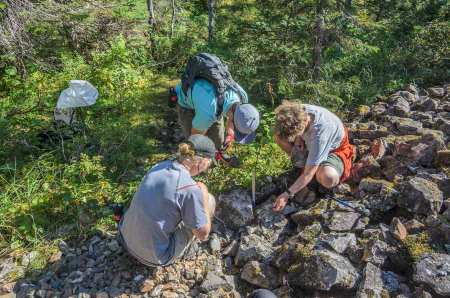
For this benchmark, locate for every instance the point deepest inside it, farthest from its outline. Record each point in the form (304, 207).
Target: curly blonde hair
(290, 120)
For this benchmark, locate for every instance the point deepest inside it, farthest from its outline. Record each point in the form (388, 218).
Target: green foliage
(50, 176)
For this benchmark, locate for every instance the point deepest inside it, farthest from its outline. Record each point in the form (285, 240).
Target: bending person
(317, 142)
(170, 208)
(202, 108)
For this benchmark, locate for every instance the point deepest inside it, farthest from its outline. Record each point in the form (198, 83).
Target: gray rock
(371, 285)
(261, 275)
(231, 248)
(29, 258)
(214, 243)
(414, 226)
(378, 109)
(271, 223)
(436, 92)
(376, 252)
(324, 270)
(338, 242)
(433, 270)
(377, 283)
(113, 245)
(235, 208)
(213, 282)
(309, 233)
(429, 105)
(399, 107)
(343, 221)
(252, 247)
(405, 126)
(420, 196)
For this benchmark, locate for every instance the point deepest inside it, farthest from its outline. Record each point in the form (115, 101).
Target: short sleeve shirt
(201, 97)
(324, 134)
(166, 197)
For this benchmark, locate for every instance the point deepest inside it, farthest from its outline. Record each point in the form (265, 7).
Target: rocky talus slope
(398, 247)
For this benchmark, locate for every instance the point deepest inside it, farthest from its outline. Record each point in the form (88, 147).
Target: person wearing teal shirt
(197, 114)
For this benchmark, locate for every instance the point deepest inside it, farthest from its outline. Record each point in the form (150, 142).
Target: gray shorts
(216, 132)
(299, 157)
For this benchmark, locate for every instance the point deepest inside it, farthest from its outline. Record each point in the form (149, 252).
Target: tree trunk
(318, 44)
(152, 24)
(211, 19)
(173, 18)
(151, 14)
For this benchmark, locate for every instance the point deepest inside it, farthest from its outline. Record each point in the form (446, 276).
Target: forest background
(58, 182)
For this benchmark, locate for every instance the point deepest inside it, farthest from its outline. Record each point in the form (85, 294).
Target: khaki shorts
(299, 157)
(215, 132)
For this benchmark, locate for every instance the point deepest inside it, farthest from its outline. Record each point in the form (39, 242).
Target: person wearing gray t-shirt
(169, 207)
(317, 142)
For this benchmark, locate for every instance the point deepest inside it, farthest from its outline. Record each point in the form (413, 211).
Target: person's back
(324, 135)
(167, 196)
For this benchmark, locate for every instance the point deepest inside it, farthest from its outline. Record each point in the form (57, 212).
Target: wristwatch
(290, 193)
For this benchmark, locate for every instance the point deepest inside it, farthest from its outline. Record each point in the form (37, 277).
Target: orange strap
(345, 153)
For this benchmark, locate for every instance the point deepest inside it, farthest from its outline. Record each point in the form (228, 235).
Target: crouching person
(170, 208)
(317, 143)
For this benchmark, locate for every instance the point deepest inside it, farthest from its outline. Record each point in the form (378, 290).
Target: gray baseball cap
(203, 146)
(246, 121)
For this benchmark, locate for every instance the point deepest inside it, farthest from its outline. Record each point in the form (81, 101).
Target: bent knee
(327, 176)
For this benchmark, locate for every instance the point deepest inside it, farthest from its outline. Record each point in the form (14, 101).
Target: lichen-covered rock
(235, 208)
(421, 196)
(324, 270)
(337, 241)
(343, 221)
(252, 247)
(261, 275)
(376, 252)
(433, 270)
(405, 126)
(372, 285)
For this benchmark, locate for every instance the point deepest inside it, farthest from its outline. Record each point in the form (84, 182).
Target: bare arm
(299, 184)
(203, 232)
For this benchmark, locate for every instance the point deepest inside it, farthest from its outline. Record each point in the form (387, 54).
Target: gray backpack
(209, 67)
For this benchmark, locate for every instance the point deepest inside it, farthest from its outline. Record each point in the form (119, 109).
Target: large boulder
(421, 196)
(252, 247)
(235, 208)
(324, 270)
(261, 275)
(433, 270)
(343, 221)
